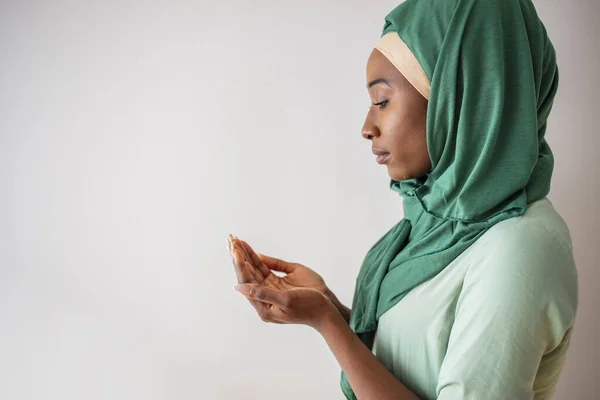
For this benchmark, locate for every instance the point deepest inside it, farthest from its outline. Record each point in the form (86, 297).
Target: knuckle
(261, 295)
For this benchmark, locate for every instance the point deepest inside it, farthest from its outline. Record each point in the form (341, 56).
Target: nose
(370, 129)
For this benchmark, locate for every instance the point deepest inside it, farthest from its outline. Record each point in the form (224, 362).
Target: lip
(382, 155)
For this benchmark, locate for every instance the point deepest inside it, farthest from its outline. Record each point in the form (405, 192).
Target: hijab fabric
(493, 77)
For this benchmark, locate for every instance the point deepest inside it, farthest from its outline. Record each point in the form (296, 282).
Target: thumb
(262, 293)
(277, 264)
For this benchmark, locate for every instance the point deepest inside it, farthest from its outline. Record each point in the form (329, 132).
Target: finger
(256, 261)
(236, 244)
(230, 241)
(277, 264)
(258, 277)
(231, 245)
(242, 273)
(253, 272)
(264, 294)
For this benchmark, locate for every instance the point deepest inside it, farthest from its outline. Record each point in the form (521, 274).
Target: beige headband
(395, 50)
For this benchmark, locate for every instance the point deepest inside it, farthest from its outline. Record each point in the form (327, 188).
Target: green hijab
(493, 76)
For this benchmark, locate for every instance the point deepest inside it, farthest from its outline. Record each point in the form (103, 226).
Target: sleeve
(515, 307)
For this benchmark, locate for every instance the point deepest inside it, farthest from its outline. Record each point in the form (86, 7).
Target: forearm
(345, 311)
(367, 375)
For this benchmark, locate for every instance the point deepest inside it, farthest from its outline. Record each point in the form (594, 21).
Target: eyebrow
(379, 80)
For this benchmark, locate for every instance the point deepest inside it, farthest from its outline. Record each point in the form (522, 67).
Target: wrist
(332, 297)
(330, 318)
(344, 311)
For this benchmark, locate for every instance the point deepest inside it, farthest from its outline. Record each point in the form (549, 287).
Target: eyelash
(381, 104)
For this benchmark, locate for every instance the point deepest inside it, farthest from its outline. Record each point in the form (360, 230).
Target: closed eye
(381, 104)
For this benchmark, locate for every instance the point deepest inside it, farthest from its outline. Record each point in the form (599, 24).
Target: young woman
(473, 294)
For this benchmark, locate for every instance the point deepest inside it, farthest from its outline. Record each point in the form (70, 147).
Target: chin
(398, 174)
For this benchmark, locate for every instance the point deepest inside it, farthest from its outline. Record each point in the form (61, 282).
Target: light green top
(495, 323)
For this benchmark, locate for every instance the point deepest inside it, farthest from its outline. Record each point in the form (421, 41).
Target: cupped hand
(277, 298)
(260, 268)
(290, 306)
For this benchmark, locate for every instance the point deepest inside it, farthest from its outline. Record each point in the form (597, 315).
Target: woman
(473, 294)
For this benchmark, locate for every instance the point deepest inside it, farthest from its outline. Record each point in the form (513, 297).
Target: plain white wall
(134, 135)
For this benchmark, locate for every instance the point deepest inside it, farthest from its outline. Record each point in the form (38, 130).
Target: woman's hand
(260, 267)
(253, 268)
(300, 299)
(290, 306)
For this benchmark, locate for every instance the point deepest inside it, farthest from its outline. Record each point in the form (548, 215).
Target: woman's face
(395, 123)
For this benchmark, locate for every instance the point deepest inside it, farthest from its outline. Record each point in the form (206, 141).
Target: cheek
(410, 145)
(405, 134)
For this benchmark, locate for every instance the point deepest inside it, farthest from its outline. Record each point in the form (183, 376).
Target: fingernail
(243, 289)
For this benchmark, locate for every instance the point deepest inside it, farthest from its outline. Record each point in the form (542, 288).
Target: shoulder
(535, 246)
(516, 307)
(524, 267)
(541, 225)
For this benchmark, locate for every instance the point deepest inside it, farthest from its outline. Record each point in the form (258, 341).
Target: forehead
(378, 66)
